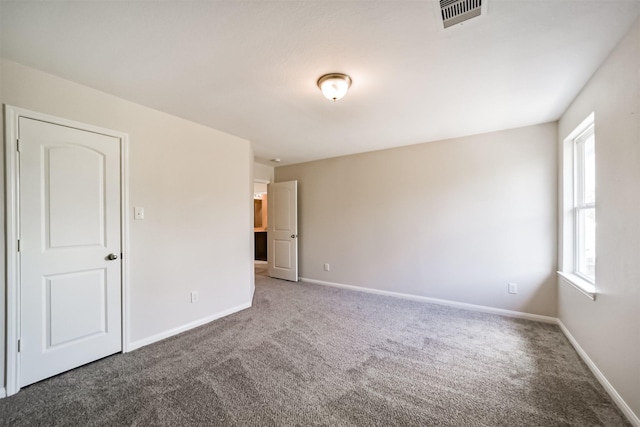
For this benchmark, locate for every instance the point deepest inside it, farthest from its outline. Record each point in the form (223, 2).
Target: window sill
(586, 288)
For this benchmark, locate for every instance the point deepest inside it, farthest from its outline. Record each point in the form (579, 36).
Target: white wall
(456, 220)
(262, 172)
(608, 329)
(195, 184)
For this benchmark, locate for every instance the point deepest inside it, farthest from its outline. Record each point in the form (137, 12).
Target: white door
(282, 230)
(70, 248)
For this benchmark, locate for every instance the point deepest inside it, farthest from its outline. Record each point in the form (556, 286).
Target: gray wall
(455, 220)
(608, 329)
(196, 186)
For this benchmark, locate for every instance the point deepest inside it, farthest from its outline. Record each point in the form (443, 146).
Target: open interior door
(282, 231)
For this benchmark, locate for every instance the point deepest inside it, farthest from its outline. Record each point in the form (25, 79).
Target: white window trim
(568, 233)
(578, 203)
(586, 288)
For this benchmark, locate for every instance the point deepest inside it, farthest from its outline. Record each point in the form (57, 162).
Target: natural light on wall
(578, 239)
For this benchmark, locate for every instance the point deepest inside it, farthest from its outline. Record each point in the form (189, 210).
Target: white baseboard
(175, 331)
(3, 392)
(633, 418)
(462, 305)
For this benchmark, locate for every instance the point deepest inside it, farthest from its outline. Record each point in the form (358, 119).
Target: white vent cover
(457, 11)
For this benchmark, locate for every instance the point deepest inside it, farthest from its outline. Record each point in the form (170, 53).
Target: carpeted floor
(310, 355)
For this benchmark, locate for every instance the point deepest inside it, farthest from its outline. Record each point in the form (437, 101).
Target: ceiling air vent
(457, 11)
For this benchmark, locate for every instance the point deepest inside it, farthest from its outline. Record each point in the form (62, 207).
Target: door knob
(293, 236)
(111, 257)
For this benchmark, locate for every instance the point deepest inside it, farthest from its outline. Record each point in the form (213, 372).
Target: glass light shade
(334, 86)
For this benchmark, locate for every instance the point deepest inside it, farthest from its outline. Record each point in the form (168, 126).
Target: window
(585, 205)
(578, 237)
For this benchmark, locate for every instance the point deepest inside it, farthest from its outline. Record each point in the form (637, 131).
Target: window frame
(568, 236)
(579, 205)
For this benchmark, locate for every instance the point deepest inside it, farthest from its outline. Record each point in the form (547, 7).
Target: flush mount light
(334, 86)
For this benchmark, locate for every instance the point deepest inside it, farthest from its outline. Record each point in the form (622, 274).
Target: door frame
(12, 216)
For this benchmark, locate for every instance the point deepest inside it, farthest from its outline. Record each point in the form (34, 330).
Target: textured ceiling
(250, 68)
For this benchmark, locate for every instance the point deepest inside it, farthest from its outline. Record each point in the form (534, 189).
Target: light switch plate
(138, 213)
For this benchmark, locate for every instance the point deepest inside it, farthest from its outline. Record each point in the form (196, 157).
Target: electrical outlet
(513, 288)
(327, 267)
(194, 296)
(138, 212)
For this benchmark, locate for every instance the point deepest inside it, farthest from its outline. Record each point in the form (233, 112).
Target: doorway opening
(260, 224)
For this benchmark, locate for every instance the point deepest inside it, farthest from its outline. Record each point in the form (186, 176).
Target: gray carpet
(311, 355)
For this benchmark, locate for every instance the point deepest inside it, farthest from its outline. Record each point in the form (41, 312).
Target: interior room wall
(455, 220)
(262, 172)
(608, 329)
(195, 184)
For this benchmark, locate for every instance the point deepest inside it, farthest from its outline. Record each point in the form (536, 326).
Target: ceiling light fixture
(334, 86)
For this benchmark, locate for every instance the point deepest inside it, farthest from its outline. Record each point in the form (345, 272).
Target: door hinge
(19, 346)
(18, 145)
(18, 245)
